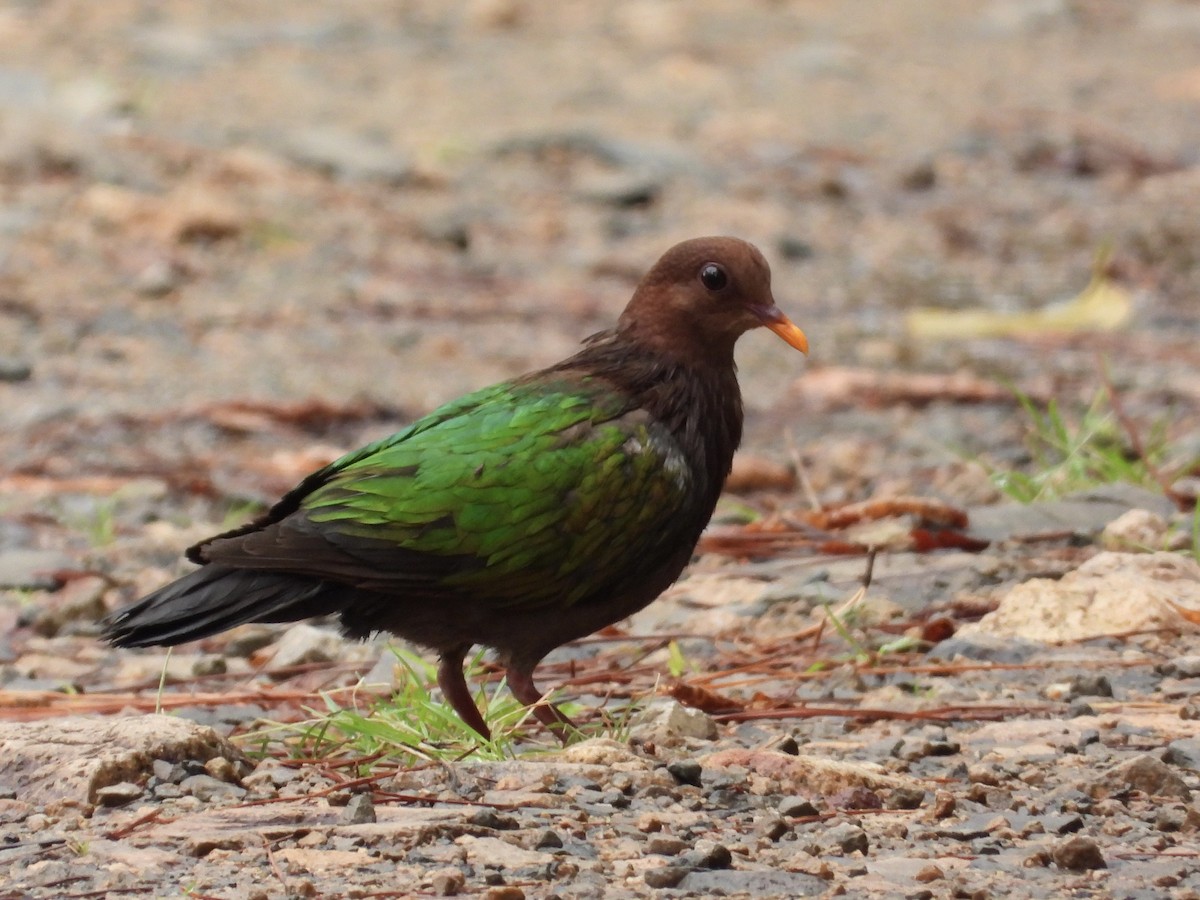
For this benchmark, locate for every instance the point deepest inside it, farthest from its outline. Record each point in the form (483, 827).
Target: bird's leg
(454, 688)
(520, 682)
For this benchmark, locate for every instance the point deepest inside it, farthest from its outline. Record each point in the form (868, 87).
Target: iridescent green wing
(530, 494)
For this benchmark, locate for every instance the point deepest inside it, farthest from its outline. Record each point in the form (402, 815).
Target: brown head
(700, 297)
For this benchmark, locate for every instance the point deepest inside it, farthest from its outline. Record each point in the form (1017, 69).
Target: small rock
(303, 644)
(1148, 775)
(666, 723)
(1079, 708)
(344, 154)
(774, 828)
(359, 811)
(944, 805)
(13, 370)
(929, 873)
(1142, 531)
(1078, 854)
(504, 892)
(1185, 666)
(797, 807)
(34, 570)
(489, 818)
(1089, 685)
(711, 855)
(118, 794)
(665, 877)
(666, 846)
(1184, 752)
(686, 771)
(222, 769)
(1170, 818)
(207, 789)
(905, 798)
(848, 838)
(548, 840)
(447, 882)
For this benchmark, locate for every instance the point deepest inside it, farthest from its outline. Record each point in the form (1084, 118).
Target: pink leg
(520, 682)
(454, 687)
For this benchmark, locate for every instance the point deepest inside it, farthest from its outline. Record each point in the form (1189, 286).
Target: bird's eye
(713, 277)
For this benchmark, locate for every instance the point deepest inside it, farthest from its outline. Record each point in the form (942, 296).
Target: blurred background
(239, 237)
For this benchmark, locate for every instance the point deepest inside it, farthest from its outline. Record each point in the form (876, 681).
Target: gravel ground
(237, 239)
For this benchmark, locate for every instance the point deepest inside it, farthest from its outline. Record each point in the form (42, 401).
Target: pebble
(303, 644)
(548, 840)
(905, 797)
(14, 370)
(447, 882)
(944, 805)
(1184, 752)
(118, 794)
(1151, 776)
(1078, 854)
(359, 811)
(1089, 685)
(686, 771)
(489, 818)
(848, 837)
(797, 807)
(1185, 666)
(208, 789)
(929, 873)
(665, 876)
(666, 846)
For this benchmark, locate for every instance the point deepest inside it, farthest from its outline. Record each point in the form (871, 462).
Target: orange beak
(774, 319)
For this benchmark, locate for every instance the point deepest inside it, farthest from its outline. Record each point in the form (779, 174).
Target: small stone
(359, 811)
(1184, 752)
(797, 807)
(774, 828)
(665, 877)
(447, 882)
(1170, 818)
(305, 644)
(1078, 854)
(929, 873)
(686, 771)
(668, 723)
(222, 769)
(666, 846)
(848, 838)
(118, 794)
(1151, 776)
(983, 774)
(905, 797)
(648, 823)
(711, 855)
(944, 805)
(504, 892)
(548, 840)
(489, 818)
(1079, 708)
(13, 370)
(1185, 666)
(207, 789)
(1090, 685)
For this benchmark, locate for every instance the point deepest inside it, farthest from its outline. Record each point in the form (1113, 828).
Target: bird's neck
(697, 400)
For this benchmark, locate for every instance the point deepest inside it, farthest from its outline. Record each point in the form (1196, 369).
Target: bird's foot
(523, 688)
(454, 688)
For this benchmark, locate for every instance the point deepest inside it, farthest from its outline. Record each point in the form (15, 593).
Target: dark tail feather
(215, 598)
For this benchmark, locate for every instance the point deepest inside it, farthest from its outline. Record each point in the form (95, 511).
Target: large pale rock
(74, 757)
(1112, 593)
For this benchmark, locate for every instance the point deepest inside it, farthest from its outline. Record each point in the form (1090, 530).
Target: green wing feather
(551, 489)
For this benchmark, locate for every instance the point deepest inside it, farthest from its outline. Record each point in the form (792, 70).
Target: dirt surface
(237, 239)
